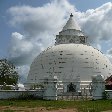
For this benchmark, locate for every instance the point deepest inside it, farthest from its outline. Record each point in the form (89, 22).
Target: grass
(82, 106)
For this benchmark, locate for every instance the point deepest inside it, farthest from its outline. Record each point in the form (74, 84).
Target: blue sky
(6, 29)
(84, 5)
(29, 26)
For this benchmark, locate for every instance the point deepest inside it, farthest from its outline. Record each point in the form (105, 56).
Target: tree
(8, 74)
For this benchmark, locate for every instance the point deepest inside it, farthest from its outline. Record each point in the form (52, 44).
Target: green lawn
(82, 106)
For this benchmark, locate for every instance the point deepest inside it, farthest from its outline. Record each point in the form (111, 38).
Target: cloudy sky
(27, 27)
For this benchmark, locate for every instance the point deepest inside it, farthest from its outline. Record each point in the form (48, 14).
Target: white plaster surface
(71, 24)
(9, 94)
(66, 61)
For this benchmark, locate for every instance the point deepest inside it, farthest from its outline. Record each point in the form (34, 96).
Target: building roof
(71, 24)
(109, 80)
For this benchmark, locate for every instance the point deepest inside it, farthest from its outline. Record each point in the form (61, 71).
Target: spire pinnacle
(71, 33)
(71, 15)
(71, 24)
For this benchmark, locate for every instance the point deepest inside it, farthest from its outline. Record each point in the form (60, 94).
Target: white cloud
(109, 57)
(39, 25)
(97, 23)
(34, 20)
(23, 72)
(21, 50)
(109, 51)
(109, 54)
(20, 44)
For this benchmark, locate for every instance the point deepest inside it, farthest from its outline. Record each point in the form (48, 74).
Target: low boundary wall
(109, 92)
(10, 94)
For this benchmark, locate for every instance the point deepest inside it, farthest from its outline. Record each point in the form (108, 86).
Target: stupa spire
(71, 15)
(71, 24)
(71, 33)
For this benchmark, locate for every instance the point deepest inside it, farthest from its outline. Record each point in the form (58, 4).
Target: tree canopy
(8, 74)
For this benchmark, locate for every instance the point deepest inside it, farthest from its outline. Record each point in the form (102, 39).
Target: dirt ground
(37, 109)
(107, 111)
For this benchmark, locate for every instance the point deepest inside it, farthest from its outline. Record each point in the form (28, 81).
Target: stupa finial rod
(71, 15)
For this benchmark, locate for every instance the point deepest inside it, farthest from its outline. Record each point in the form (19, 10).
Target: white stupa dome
(66, 61)
(71, 56)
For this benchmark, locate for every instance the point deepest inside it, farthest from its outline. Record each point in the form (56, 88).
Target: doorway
(71, 87)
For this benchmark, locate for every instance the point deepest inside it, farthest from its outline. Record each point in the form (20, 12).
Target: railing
(73, 96)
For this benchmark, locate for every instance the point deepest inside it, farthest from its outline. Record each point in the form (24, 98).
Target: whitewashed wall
(66, 61)
(109, 92)
(9, 94)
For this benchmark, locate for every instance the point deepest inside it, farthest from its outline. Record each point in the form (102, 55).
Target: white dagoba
(70, 57)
